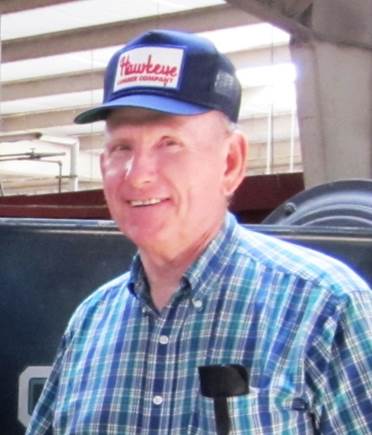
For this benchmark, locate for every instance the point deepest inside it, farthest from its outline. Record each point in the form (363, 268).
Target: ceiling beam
(52, 85)
(11, 6)
(335, 21)
(281, 13)
(93, 79)
(38, 120)
(106, 35)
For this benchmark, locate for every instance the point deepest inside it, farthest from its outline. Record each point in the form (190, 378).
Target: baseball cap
(168, 71)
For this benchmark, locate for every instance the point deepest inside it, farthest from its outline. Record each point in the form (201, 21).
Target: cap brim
(152, 102)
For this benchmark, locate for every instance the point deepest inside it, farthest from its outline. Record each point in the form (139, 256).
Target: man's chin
(146, 236)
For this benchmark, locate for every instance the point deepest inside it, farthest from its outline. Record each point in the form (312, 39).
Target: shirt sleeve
(346, 399)
(42, 416)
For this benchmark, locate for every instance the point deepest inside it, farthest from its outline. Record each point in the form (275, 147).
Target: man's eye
(171, 143)
(120, 147)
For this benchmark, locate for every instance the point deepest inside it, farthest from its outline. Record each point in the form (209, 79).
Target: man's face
(164, 177)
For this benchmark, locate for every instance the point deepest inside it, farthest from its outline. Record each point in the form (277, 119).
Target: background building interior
(52, 64)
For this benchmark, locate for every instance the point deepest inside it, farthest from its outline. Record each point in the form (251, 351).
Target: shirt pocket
(259, 412)
(269, 413)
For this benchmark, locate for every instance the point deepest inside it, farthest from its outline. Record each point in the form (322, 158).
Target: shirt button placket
(157, 400)
(197, 303)
(163, 339)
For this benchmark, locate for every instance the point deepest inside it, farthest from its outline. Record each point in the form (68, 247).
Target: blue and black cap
(172, 72)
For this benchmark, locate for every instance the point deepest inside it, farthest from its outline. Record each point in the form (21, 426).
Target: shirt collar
(137, 283)
(207, 268)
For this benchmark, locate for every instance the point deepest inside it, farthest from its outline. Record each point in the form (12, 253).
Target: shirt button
(157, 400)
(198, 304)
(163, 339)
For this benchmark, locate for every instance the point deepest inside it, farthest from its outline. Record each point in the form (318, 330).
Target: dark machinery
(345, 203)
(335, 218)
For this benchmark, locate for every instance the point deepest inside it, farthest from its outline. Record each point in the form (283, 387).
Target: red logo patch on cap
(149, 67)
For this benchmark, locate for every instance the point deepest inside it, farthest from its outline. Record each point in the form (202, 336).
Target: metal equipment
(345, 203)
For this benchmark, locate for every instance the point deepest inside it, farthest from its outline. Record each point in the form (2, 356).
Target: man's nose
(140, 169)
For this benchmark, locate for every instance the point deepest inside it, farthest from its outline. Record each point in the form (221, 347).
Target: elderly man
(215, 329)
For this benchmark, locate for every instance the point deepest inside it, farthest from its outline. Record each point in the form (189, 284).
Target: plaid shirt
(299, 322)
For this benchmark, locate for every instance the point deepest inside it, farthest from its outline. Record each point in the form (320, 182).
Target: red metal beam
(254, 200)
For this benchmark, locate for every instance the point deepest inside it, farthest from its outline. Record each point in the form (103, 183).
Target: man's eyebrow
(120, 140)
(110, 142)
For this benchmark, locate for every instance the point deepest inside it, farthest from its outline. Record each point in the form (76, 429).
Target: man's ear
(236, 160)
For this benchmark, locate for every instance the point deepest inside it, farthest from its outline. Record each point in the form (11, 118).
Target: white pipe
(270, 140)
(74, 166)
(74, 145)
(292, 138)
(270, 119)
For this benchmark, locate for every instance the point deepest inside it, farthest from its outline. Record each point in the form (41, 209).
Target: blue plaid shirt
(298, 321)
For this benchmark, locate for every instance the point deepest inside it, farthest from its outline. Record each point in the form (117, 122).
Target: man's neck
(164, 279)
(164, 272)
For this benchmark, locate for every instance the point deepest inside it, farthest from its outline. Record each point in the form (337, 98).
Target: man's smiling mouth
(144, 202)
